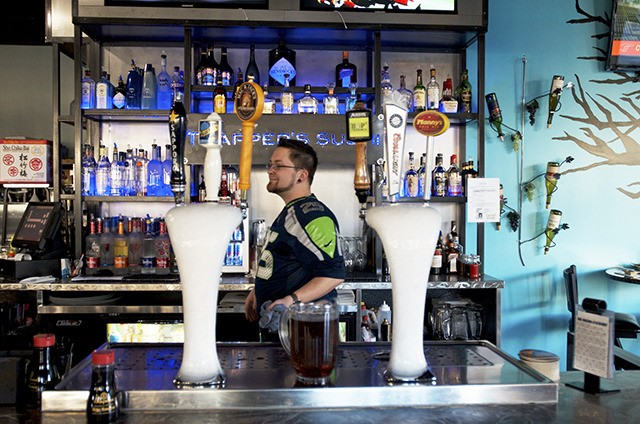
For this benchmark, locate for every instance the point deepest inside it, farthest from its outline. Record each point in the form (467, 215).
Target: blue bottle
(88, 95)
(155, 184)
(103, 174)
(89, 166)
(134, 87)
(149, 88)
(177, 82)
(165, 96)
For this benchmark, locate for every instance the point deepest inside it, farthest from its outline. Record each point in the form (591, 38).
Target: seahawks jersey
(302, 243)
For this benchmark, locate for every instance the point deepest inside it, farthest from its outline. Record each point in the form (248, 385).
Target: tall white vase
(200, 234)
(409, 233)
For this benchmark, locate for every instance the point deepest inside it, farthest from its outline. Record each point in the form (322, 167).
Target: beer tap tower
(200, 234)
(408, 232)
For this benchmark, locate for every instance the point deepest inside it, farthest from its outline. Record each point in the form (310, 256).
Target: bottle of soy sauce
(103, 405)
(41, 371)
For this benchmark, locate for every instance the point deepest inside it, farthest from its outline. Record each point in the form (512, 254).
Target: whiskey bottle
(307, 103)
(282, 60)
(495, 115)
(219, 97)
(433, 91)
(346, 72)
(407, 95)
(438, 178)
(419, 93)
(330, 102)
(454, 180)
(252, 66)
(225, 68)
(286, 97)
(448, 104)
(269, 102)
(88, 93)
(411, 179)
(463, 93)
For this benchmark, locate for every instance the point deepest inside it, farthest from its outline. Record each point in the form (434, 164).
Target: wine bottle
(419, 93)
(495, 115)
(463, 93)
(346, 72)
(252, 66)
(551, 180)
(436, 261)
(282, 60)
(554, 96)
(225, 69)
(553, 224)
(433, 91)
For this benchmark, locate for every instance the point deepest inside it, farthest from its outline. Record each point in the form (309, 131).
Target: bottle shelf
(126, 114)
(445, 199)
(147, 199)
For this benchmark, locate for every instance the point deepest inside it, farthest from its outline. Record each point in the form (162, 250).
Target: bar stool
(625, 325)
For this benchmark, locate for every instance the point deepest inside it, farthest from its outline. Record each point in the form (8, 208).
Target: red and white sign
(25, 161)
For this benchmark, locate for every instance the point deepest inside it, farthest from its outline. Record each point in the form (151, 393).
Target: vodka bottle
(225, 69)
(433, 91)
(346, 72)
(269, 107)
(177, 82)
(330, 102)
(120, 95)
(165, 96)
(134, 87)
(120, 250)
(419, 93)
(92, 250)
(438, 178)
(103, 174)
(411, 179)
(130, 172)
(463, 93)
(353, 97)
(106, 245)
(252, 66)
(149, 88)
(104, 99)
(307, 103)
(282, 60)
(116, 179)
(385, 84)
(148, 258)
(141, 172)
(162, 247)
(286, 97)
(88, 93)
(406, 94)
(454, 180)
(135, 240)
(166, 171)
(89, 168)
(154, 173)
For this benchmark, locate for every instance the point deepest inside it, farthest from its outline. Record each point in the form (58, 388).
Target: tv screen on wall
(624, 39)
(430, 6)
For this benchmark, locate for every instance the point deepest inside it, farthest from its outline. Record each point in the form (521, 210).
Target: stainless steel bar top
(260, 377)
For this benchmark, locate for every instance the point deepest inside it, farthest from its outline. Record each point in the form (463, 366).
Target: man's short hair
(301, 154)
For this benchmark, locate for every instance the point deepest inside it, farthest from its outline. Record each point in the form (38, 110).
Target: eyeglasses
(276, 167)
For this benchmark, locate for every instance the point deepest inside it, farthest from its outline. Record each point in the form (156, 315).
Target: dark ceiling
(23, 23)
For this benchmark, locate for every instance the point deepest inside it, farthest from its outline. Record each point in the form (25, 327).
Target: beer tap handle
(178, 136)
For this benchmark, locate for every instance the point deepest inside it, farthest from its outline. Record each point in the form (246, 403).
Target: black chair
(626, 325)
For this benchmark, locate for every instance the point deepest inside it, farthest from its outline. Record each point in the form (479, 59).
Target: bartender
(302, 260)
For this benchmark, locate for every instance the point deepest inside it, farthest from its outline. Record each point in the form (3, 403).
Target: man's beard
(272, 186)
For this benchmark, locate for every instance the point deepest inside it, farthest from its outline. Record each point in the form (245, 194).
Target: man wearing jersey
(302, 260)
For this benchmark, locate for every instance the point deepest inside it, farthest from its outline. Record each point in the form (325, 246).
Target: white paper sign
(593, 351)
(483, 199)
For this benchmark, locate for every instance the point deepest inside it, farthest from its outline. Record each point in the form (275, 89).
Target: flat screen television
(261, 4)
(417, 6)
(624, 39)
(38, 228)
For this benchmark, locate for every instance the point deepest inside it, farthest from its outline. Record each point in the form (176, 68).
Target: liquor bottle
(116, 181)
(120, 95)
(307, 103)
(433, 91)
(89, 169)
(553, 223)
(134, 87)
(438, 178)
(202, 190)
(554, 96)
(103, 405)
(282, 60)
(41, 371)
(407, 95)
(346, 72)
(92, 249)
(224, 195)
(103, 174)
(436, 261)
(199, 70)
(130, 172)
(210, 70)
(551, 180)
(447, 103)
(166, 171)
(149, 88)
(162, 248)
(252, 66)
(165, 96)
(365, 328)
(120, 250)
(353, 97)
(225, 69)
(419, 94)
(154, 173)
(286, 97)
(177, 82)
(495, 115)
(219, 97)
(134, 241)
(88, 93)
(421, 174)
(453, 252)
(411, 179)
(454, 180)
(269, 101)
(232, 184)
(330, 102)
(148, 259)
(463, 93)
(386, 87)
(104, 99)
(106, 245)
(470, 173)
(141, 172)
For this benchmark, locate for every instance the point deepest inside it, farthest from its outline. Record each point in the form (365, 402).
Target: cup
(309, 333)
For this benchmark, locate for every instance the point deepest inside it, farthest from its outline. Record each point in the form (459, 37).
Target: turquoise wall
(603, 221)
